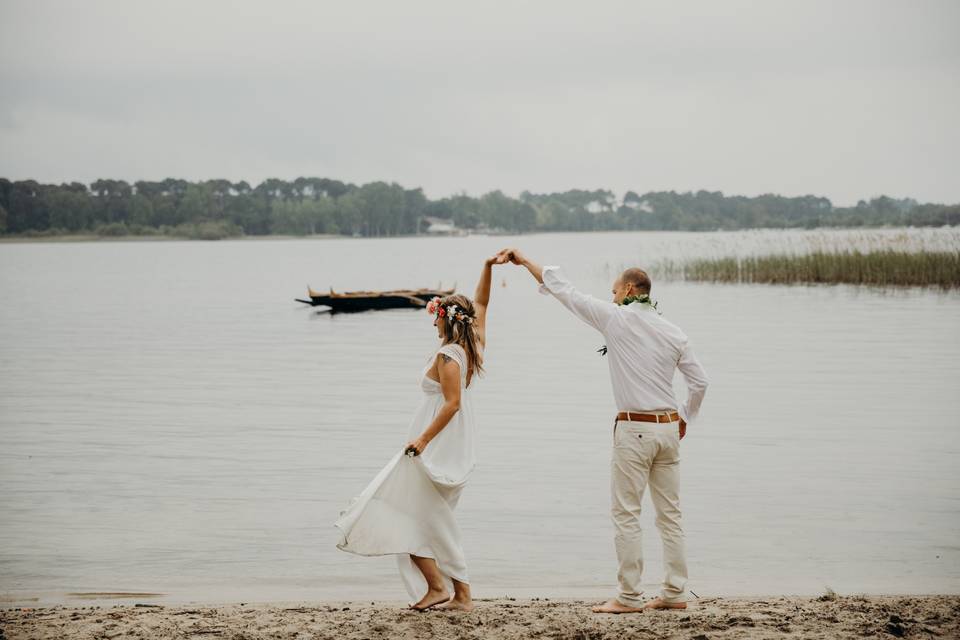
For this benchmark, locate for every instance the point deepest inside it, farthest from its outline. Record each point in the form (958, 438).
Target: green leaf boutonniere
(642, 299)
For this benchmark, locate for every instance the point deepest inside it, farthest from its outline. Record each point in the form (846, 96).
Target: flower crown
(452, 310)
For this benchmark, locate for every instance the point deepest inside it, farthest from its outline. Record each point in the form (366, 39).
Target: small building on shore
(438, 226)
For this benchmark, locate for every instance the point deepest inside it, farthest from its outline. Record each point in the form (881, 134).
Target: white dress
(408, 507)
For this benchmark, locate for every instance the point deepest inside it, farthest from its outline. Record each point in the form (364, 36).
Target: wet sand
(507, 618)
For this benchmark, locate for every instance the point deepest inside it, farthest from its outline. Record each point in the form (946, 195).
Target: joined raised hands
(510, 254)
(497, 258)
(513, 255)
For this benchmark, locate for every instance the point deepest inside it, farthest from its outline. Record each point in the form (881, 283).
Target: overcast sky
(843, 99)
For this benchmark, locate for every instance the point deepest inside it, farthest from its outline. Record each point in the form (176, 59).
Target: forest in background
(215, 209)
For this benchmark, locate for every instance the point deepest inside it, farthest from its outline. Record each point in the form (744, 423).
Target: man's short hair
(638, 278)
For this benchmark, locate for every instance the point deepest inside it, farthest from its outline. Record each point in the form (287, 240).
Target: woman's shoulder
(452, 349)
(456, 353)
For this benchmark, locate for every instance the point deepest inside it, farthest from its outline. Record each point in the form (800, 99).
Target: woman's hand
(416, 446)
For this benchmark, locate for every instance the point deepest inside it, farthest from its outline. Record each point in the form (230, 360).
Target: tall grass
(882, 268)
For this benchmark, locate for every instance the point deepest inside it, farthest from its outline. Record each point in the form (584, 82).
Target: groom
(644, 350)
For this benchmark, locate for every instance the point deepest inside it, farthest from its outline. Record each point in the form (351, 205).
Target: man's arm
(696, 379)
(535, 269)
(594, 312)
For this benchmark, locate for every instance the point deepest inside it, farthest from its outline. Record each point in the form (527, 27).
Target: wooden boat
(349, 301)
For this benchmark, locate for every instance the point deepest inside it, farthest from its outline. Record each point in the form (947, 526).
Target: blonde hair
(463, 332)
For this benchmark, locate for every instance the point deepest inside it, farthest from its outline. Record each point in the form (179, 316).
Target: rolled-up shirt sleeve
(696, 378)
(594, 312)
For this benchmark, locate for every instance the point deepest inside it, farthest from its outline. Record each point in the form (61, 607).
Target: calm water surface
(172, 421)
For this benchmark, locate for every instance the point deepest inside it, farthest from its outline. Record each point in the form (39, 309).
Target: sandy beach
(507, 618)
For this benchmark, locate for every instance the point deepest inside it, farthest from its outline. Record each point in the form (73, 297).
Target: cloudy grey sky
(844, 99)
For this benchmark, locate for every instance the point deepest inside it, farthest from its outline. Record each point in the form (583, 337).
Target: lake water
(171, 421)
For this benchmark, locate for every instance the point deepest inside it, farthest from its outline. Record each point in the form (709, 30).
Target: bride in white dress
(407, 509)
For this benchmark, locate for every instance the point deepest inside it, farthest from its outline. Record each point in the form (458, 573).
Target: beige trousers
(647, 454)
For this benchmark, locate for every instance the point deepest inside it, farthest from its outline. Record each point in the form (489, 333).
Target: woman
(407, 509)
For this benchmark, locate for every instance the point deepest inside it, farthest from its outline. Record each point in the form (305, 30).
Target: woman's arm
(449, 372)
(481, 297)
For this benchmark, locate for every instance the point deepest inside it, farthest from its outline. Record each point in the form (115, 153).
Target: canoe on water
(373, 300)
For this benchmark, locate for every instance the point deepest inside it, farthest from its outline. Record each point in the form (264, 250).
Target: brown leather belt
(648, 417)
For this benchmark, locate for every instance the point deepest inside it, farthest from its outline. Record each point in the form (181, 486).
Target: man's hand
(683, 428)
(416, 446)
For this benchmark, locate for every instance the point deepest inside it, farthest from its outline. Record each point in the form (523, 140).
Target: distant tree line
(220, 208)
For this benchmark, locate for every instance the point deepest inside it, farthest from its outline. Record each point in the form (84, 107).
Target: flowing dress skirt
(407, 509)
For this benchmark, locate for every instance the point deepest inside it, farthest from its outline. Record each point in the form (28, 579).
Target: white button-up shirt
(643, 350)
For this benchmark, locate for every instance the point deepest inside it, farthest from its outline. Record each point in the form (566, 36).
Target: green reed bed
(883, 268)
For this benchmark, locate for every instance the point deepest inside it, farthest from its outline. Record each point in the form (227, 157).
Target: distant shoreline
(89, 237)
(86, 237)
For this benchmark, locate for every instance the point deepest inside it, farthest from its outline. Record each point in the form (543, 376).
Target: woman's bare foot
(461, 601)
(615, 606)
(432, 598)
(458, 604)
(660, 603)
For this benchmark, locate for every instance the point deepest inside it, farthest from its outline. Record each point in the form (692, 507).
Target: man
(643, 351)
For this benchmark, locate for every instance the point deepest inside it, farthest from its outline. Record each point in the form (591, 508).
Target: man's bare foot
(431, 599)
(615, 606)
(456, 604)
(660, 603)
